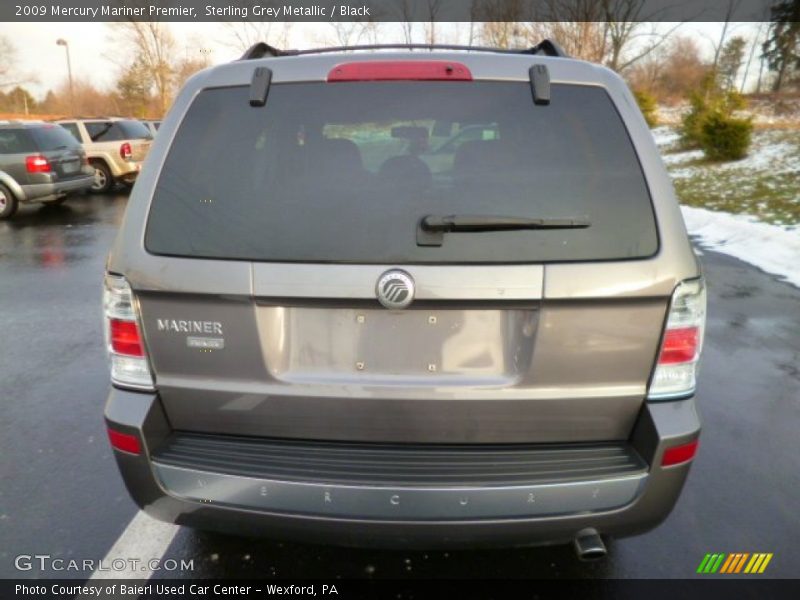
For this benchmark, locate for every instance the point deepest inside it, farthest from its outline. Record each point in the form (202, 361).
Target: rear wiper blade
(431, 228)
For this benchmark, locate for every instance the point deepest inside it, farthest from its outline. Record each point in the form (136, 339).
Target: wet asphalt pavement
(60, 493)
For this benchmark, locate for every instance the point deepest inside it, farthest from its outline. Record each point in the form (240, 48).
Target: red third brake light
(37, 164)
(125, 338)
(680, 345)
(397, 70)
(125, 151)
(679, 454)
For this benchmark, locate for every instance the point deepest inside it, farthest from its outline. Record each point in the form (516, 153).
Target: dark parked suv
(320, 329)
(39, 162)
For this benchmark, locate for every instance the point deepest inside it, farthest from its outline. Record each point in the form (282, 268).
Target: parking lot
(67, 499)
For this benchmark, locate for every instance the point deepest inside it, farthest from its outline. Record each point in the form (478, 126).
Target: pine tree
(782, 47)
(730, 62)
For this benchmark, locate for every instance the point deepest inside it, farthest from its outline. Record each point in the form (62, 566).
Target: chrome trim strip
(399, 503)
(432, 282)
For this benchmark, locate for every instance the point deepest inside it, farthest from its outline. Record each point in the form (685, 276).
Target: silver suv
(318, 331)
(116, 148)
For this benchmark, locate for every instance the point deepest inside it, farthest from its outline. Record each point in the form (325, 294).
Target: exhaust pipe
(589, 545)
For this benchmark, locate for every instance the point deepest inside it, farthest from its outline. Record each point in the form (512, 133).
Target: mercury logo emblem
(395, 289)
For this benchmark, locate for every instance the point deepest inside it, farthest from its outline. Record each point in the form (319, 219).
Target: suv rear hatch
(286, 216)
(64, 155)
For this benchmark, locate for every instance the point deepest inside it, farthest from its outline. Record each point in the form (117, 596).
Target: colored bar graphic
(703, 563)
(765, 563)
(741, 562)
(728, 564)
(758, 562)
(734, 562)
(752, 563)
(718, 563)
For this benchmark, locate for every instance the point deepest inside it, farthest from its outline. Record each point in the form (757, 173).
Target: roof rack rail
(545, 47)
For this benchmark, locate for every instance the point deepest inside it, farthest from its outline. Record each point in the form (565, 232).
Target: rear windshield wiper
(431, 228)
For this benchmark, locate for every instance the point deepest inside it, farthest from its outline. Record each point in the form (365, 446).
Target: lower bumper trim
(399, 503)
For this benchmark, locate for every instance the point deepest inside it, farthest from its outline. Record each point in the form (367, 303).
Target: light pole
(63, 42)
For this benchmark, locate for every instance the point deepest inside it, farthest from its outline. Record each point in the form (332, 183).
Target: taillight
(37, 164)
(675, 374)
(125, 151)
(129, 365)
(124, 337)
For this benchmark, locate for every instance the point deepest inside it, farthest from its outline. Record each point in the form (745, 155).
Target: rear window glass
(116, 131)
(15, 141)
(73, 130)
(53, 137)
(344, 172)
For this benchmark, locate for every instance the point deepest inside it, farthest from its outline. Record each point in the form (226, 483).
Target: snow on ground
(771, 248)
(765, 154)
(679, 158)
(767, 111)
(770, 173)
(772, 151)
(665, 135)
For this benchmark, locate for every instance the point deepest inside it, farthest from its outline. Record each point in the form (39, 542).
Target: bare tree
(406, 10)
(733, 5)
(585, 39)
(627, 24)
(756, 42)
(346, 33)
(352, 33)
(241, 35)
(191, 63)
(8, 54)
(432, 9)
(88, 100)
(576, 24)
(614, 32)
(503, 22)
(9, 76)
(672, 71)
(154, 45)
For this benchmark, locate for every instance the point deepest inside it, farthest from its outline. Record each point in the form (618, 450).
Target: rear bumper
(464, 513)
(43, 192)
(126, 171)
